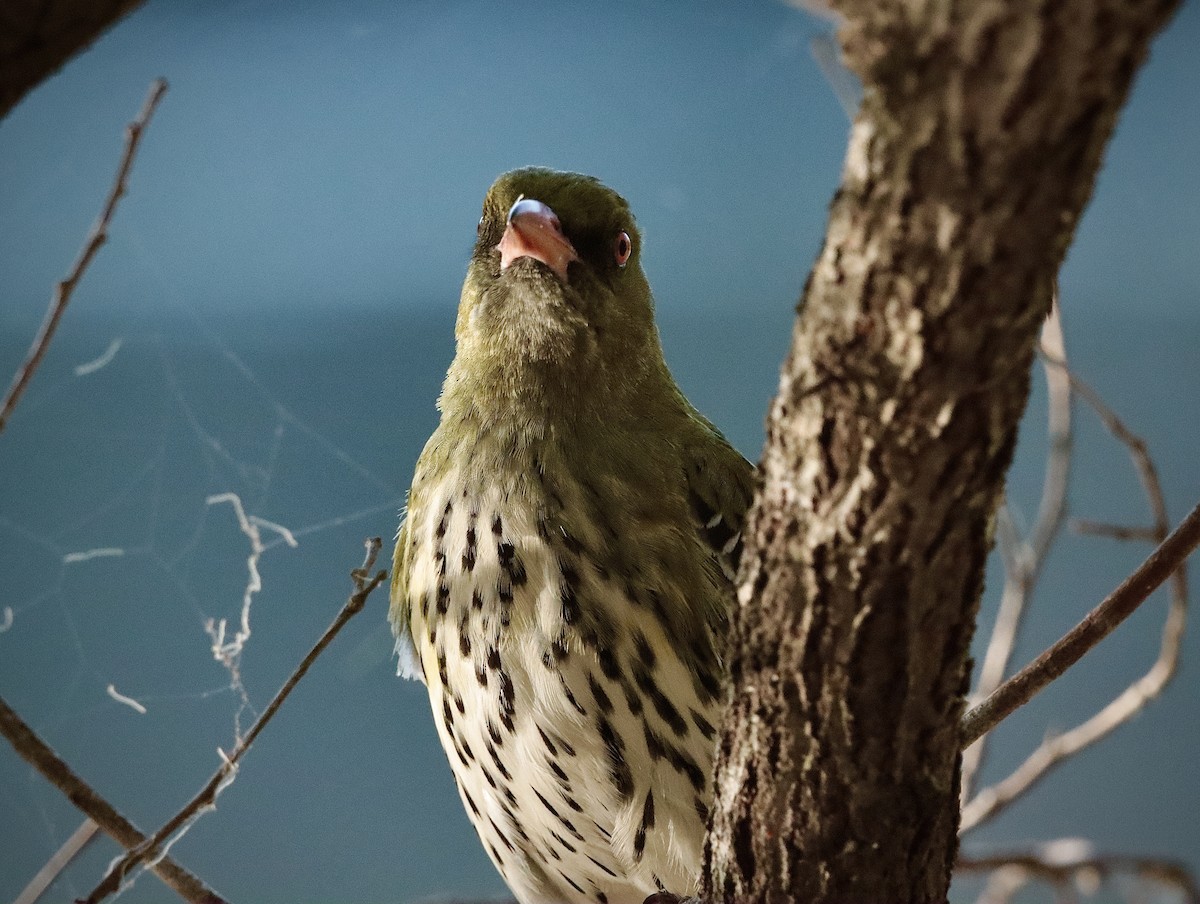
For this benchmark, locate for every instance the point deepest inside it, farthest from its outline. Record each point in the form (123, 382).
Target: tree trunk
(38, 36)
(969, 165)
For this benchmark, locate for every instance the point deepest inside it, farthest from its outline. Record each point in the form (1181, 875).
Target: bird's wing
(720, 486)
(398, 613)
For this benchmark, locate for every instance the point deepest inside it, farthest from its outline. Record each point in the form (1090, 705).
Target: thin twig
(96, 237)
(1147, 473)
(1058, 430)
(55, 770)
(50, 870)
(1134, 698)
(1002, 885)
(155, 847)
(1114, 531)
(1096, 625)
(1089, 868)
(26, 742)
(1025, 558)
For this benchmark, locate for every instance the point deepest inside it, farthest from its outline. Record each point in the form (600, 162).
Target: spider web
(158, 495)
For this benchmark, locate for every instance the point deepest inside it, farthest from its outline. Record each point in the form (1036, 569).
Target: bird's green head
(555, 292)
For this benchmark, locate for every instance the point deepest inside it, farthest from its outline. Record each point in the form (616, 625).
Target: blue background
(282, 278)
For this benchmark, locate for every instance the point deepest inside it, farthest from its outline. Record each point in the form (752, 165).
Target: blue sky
(321, 155)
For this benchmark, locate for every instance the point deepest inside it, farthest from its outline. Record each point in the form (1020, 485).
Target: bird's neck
(498, 389)
(520, 407)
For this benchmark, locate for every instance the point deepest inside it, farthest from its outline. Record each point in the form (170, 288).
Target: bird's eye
(479, 228)
(622, 248)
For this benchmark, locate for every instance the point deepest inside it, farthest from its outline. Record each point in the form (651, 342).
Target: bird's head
(555, 292)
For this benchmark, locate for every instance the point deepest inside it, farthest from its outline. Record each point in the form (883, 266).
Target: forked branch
(1097, 625)
(1089, 870)
(153, 848)
(1024, 557)
(1059, 747)
(55, 770)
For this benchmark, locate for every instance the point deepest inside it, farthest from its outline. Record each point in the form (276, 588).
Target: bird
(565, 570)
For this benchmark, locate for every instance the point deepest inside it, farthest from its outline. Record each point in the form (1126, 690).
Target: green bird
(564, 576)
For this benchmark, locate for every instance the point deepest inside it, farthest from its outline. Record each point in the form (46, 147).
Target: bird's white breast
(530, 700)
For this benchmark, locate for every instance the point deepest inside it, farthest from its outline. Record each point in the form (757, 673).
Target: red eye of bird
(622, 248)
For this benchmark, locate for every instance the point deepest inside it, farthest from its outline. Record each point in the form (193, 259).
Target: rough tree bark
(38, 36)
(969, 165)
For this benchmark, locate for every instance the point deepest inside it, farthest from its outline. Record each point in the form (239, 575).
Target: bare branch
(67, 852)
(1114, 531)
(1018, 866)
(55, 770)
(152, 849)
(1096, 625)
(95, 239)
(1058, 429)
(1002, 885)
(1147, 473)
(1135, 697)
(1024, 559)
